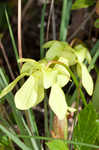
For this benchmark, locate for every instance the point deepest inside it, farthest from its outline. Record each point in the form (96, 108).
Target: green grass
(29, 138)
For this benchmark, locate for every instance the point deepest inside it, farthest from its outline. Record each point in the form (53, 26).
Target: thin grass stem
(42, 30)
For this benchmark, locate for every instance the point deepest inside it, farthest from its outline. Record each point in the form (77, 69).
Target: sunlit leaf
(54, 51)
(49, 44)
(63, 75)
(12, 85)
(49, 77)
(86, 78)
(82, 4)
(96, 24)
(63, 60)
(57, 101)
(80, 52)
(57, 145)
(27, 67)
(30, 67)
(62, 80)
(26, 60)
(40, 88)
(88, 57)
(31, 93)
(43, 62)
(26, 96)
(69, 55)
(61, 49)
(87, 81)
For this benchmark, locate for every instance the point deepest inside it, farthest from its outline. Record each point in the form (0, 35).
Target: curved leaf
(70, 56)
(63, 75)
(40, 88)
(49, 77)
(26, 96)
(82, 4)
(49, 44)
(12, 85)
(26, 60)
(87, 81)
(88, 57)
(60, 49)
(57, 102)
(55, 51)
(31, 93)
(80, 52)
(30, 67)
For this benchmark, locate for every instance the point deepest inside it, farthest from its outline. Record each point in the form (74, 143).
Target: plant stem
(49, 18)
(67, 4)
(66, 141)
(7, 61)
(46, 116)
(42, 31)
(19, 30)
(53, 24)
(12, 38)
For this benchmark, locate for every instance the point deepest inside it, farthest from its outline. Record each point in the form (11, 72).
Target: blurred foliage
(9, 5)
(86, 129)
(3, 6)
(4, 142)
(96, 24)
(82, 4)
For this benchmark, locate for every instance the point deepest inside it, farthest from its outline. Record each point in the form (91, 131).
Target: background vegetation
(24, 27)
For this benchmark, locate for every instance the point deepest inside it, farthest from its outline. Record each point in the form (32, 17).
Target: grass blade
(94, 49)
(12, 38)
(94, 53)
(33, 141)
(42, 31)
(90, 67)
(33, 125)
(46, 116)
(10, 99)
(67, 4)
(67, 141)
(14, 138)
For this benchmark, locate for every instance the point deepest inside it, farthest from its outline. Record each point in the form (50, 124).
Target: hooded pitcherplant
(51, 73)
(73, 56)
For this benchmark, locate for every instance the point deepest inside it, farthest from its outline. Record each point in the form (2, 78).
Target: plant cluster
(51, 72)
(61, 65)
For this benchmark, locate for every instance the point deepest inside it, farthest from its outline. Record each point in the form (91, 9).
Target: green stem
(51, 120)
(11, 144)
(12, 38)
(42, 31)
(33, 126)
(66, 141)
(90, 67)
(67, 4)
(46, 116)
